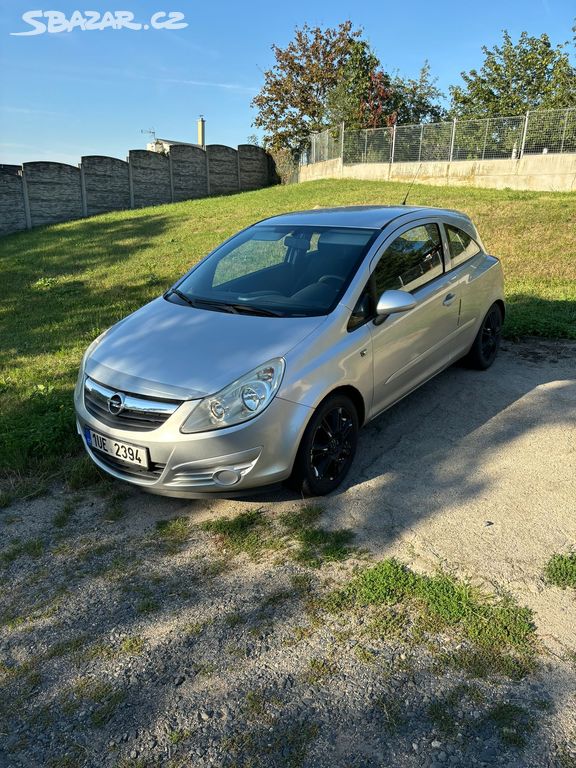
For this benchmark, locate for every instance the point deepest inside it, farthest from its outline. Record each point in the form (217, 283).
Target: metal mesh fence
(492, 138)
(368, 146)
(495, 138)
(551, 131)
(325, 146)
(436, 141)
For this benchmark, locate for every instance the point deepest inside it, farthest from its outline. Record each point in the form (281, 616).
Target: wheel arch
(352, 394)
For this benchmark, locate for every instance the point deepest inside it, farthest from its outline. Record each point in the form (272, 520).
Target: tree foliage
(515, 77)
(325, 77)
(292, 102)
(418, 101)
(345, 102)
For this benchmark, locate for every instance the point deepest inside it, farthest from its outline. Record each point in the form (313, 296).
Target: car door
(468, 264)
(410, 347)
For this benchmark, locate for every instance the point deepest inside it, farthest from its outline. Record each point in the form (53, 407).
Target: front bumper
(225, 461)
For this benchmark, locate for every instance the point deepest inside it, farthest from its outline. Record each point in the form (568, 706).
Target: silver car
(261, 363)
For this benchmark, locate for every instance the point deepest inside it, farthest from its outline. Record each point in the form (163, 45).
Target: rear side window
(462, 246)
(412, 260)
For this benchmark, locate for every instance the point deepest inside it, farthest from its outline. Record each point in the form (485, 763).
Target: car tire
(327, 448)
(487, 341)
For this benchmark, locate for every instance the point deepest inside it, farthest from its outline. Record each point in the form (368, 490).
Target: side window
(412, 260)
(462, 246)
(363, 311)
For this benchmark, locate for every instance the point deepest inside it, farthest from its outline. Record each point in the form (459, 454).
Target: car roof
(356, 216)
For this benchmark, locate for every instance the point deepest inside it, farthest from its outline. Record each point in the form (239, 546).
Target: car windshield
(284, 271)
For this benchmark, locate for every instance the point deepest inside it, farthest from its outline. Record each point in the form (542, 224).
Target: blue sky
(66, 94)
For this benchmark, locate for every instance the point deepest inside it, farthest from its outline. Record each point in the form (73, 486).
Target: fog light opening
(226, 476)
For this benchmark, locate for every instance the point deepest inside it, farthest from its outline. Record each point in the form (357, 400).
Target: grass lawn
(62, 285)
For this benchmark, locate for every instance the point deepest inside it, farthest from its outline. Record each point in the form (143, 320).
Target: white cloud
(205, 84)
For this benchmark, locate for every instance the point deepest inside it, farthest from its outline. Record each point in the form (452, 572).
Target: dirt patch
(131, 640)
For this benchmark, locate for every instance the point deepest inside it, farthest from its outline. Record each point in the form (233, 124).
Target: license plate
(126, 452)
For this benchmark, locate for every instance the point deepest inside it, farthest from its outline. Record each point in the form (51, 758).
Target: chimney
(202, 132)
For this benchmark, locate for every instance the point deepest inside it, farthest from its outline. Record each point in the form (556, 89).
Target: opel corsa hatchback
(263, 361)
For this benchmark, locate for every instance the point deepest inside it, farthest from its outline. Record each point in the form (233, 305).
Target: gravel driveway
(128, 640)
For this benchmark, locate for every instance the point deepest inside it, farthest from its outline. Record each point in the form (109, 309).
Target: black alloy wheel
(328, 447)
(487, 341)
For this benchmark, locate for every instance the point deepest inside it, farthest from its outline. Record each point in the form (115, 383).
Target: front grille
(138, 413)
(129, 470)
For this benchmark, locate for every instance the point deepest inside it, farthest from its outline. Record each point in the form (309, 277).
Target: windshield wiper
(182, 296)
(247, 309)
(222, 306)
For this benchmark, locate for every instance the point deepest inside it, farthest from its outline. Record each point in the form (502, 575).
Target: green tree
(345, 101)
(515, 77)
(418, 101)
(292, 103)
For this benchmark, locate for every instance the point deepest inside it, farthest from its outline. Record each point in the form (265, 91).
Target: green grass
(443, 711)
(561, 570)
(18, 549)
(244, 533)
(316, 545)
(65, 283)
(500, 634)
(483, 662)
(81, 473)
(132, 646)
(64, 647)
(294, 533)
(512, 722)
(104, 698)
(175, 737)
(62, 517)
(319, 670)
(173, 533)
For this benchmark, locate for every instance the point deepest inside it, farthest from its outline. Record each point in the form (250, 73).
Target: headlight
(239, 401)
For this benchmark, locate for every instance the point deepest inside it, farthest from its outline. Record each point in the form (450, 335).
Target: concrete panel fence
(46, 193)
(223, 169)
(149, 178)
(13, 213)
(253, 167)
(54, 192)
(105, 184)
(189, 172)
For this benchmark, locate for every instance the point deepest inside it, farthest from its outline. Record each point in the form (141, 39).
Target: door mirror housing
(394, 301)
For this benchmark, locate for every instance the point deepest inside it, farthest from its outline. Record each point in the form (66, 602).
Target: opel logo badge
(116, 404)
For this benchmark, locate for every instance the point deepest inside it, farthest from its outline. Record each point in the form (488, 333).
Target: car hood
(171, 351)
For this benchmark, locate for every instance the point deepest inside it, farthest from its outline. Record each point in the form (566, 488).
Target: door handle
(449, 299)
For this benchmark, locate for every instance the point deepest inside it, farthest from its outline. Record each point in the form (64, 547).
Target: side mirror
(394, 301)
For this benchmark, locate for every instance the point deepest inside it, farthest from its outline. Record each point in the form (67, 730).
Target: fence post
(172, 176)
(130, 182)
(83, 190)
(207, 171)
(564, 132)
(485, 137)
(26, 200)
(524, 135)
(421, 137)
(342, 141)
(452, 138)
(393, 142)
(365, 145)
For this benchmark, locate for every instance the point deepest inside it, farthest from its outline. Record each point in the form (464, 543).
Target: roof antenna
(411, 185)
